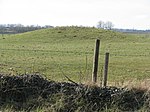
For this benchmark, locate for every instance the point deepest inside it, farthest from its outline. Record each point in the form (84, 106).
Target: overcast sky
(122, 13)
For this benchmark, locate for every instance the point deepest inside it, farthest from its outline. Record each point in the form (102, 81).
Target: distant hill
(131, 31)
(19, 28)
(70, 32)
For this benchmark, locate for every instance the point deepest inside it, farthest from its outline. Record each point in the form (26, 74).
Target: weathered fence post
(106, 68)
(95, 61)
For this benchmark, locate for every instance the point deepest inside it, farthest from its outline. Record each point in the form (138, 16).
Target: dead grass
(33, 92)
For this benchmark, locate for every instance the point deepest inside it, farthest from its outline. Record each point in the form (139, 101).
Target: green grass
(69, 51)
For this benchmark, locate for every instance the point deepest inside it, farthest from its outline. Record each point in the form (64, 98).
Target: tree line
(105, 25)
(19, 28)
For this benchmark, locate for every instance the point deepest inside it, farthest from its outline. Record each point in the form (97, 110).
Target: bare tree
(105, 25)
(109, 25)
(101, 24)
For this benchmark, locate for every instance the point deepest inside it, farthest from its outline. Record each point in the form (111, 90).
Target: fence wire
(75, 64)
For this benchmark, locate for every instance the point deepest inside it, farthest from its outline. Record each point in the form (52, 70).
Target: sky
(132, 14)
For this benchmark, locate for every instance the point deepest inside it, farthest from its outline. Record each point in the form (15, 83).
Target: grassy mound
(47, 51)
(33, 92)
(69, 50)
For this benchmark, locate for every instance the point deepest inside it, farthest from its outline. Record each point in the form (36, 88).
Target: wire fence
(147, 54)
(75, 64)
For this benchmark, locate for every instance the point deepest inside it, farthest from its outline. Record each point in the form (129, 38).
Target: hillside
(69, 50)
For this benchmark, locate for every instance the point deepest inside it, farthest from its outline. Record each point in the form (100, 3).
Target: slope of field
(69, 51)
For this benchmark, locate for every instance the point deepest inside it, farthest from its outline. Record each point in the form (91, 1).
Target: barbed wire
(38, 50)
(77, 53)
(125, 55)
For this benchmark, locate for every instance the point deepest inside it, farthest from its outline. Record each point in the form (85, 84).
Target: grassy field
(69, 51)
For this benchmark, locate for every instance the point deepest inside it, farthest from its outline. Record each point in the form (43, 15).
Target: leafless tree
(105, 25)
(109, 25)
(101, 24)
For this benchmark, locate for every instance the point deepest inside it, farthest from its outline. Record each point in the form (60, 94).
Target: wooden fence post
(95, 61)
(106, 68)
